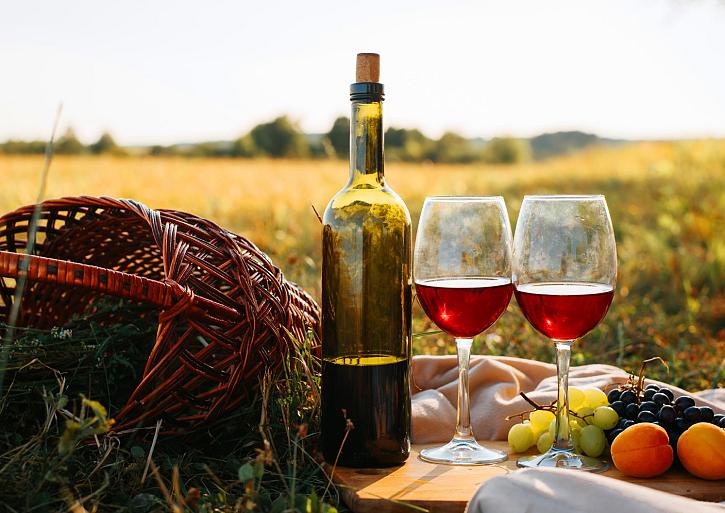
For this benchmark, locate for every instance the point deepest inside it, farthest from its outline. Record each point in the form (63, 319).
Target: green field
(667, 202)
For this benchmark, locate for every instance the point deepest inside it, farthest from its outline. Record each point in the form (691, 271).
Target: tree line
(67, 144)
(282, 138)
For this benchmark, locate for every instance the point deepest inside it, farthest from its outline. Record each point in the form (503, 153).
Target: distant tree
(339, 136)
(14, 147)
(244, 146)
(405, 144)
(397, 137)
(453, 148)
(106, 144)
(68, 144)
(507, 150)
(280, 138)
(558, 143)
(158, 150)
(204, 149)
(320, 147)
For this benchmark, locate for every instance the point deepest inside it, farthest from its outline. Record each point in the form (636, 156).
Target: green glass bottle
(366, 299)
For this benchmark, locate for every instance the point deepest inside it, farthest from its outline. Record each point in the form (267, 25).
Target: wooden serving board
(447, 488)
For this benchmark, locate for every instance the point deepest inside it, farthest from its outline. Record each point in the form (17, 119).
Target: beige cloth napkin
(559, 491)
(495, 383)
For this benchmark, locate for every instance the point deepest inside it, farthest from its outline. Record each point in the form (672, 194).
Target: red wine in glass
(565, 270)
(464, 307)
(564, 310)
(462, 270)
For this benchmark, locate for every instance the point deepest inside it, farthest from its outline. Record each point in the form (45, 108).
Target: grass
(258, 458)
(667, 202)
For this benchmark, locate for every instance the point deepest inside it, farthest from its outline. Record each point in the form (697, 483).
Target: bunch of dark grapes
(658, 406)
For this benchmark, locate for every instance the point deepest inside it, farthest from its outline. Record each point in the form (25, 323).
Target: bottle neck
(366, 145)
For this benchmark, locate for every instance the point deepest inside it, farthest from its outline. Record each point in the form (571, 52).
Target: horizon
(167, 73)
(600, 137)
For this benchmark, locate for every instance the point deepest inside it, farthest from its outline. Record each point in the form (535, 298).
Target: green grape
(605, 417)
(592, 441)
(576, 398)
(544, 442)
(536, 430)
(575, 440)
(520, 437)
(574, 425)
(540, 419)
(552, 428)
(595, 397)
(586, 416)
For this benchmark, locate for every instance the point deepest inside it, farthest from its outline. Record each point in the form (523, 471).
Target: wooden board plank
(447, 489)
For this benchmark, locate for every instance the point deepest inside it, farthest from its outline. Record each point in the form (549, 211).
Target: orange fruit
(642, 450)
(701, 450)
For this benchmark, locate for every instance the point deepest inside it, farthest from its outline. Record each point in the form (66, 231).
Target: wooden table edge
(692, 487)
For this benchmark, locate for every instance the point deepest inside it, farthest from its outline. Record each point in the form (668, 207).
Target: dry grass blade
(151, 451)
(173, 505)
(319, 217)
(264, 431)
(349, 426)
(32, 229)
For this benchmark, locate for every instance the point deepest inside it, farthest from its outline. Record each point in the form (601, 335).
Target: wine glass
(462, 272)
(564, 273)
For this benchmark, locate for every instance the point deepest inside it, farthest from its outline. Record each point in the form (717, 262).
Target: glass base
(563, 459)
(462, 452)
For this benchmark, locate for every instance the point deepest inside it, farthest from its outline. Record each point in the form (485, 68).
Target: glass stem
(463, 420)
(563, 434)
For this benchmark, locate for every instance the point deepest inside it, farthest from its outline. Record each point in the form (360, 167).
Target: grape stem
(636, 384)
(550, 407)
(532, 402)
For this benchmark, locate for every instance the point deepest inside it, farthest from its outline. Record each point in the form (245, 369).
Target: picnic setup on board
(444, 433)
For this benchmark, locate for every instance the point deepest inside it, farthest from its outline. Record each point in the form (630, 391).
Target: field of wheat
(667, 202)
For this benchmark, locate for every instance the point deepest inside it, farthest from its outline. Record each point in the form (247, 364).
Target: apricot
(701, 450)
(642, 450)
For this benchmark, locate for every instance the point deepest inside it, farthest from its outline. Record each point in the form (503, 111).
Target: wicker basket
(225, 312)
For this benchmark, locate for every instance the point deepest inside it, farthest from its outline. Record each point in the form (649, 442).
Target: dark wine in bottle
(366, 299)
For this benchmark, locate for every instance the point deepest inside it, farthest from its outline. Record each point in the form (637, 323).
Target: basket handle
(116, 283)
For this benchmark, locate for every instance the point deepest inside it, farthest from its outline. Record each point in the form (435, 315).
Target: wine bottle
(366, 298)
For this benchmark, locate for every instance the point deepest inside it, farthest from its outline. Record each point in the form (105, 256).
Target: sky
(161, 72)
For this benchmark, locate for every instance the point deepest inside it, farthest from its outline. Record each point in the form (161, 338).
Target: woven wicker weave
(226, 313)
